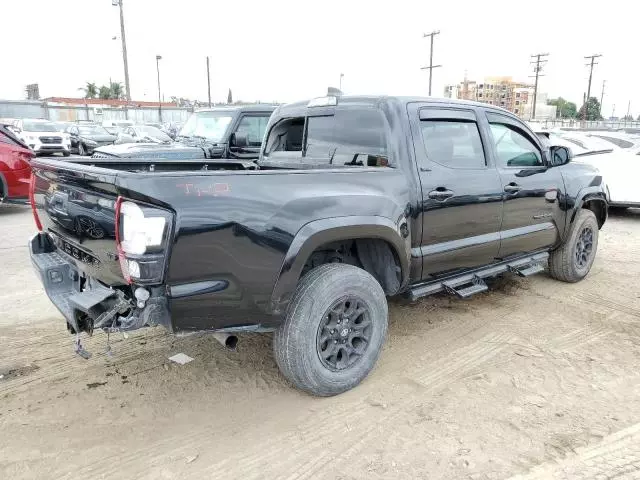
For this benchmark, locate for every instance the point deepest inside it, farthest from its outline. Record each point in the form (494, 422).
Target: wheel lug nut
(335, 341)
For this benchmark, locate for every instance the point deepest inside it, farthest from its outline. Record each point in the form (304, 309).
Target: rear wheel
(333, 331)
(572, 261)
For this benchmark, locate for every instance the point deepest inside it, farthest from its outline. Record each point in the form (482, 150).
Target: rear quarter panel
(238, 227)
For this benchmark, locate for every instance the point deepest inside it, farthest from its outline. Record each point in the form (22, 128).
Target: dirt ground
(485, 388)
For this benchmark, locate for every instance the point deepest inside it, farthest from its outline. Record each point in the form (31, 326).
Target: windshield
(92, 130)
(210, 125)
(61, 126)
(149, 131)
(39, 127)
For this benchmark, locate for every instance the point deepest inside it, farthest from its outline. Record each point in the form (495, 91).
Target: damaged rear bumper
(87, 304)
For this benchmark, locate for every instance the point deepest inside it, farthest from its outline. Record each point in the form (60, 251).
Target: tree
(565, 109)
(116, 91)
(627, 117)
(592, 108)
(638, 118)
(229, 97)
(104, 93)
(90, 90)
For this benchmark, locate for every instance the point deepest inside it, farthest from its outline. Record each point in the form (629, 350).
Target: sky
(284, 51)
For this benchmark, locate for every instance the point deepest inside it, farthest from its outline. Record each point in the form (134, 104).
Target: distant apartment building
(504, 92)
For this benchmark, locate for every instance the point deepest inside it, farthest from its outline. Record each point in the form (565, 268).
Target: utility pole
(158, 58)
(590, 65)
(539, 61)
(341, 76)
(127, 89)
(602, 95)
(431, 65)
(208, 83)
(629, 109)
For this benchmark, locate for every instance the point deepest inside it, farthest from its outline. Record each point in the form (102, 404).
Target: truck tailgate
(77, 209)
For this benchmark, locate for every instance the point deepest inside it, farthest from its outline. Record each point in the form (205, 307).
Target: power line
(539, 62)
(431, 65)
(590, 65)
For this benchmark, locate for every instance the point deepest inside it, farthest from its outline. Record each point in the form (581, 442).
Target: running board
(468, 284)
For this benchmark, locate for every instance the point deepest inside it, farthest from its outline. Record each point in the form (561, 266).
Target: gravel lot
(535, 379)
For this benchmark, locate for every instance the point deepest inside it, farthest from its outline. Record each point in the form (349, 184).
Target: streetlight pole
(118, 3)
(158, 58)
(341, 75)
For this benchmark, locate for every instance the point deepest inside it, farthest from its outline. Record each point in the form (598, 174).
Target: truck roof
(256, 107)
(372, 100)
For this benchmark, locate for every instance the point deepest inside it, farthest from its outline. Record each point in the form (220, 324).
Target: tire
(298, 344)
(66, 153)
(564, 263)
(81, 150)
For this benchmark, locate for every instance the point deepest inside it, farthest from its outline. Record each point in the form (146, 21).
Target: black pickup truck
(353, 199)
(232, 132)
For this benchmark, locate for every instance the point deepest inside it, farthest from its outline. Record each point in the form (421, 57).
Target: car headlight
(66, 138)
(32, 138)
(90, 143)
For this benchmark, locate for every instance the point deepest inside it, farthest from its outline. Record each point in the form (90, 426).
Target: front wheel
(81, 150)
(66, 153)
(572, 261)
(334, 329)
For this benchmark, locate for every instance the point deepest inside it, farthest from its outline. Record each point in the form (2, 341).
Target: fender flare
(316, 233)
(586, 195)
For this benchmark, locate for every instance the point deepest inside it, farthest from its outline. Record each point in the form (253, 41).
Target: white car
(42, 136)
(620, 167)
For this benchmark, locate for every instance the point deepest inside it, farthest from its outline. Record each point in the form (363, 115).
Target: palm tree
(90, 90)
(104, 93)
(117, 92)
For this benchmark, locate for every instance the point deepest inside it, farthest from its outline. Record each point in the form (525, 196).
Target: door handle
(440, 194)
(512, 188)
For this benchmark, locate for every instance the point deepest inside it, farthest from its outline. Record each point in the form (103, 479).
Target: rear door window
(453, 143)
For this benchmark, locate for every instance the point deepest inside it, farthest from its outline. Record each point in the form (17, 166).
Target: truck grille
(101, 155)
(51, 139)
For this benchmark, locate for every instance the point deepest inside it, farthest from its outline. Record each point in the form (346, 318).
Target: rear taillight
(32, 201)
(142, 239)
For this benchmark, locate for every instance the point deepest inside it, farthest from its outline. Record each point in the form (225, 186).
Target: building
(504, 92)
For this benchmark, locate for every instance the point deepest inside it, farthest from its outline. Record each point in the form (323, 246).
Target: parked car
(142, 134)
(114, 127)
(42, 136)
(62, 126)
(217, 133)
(620, 167)
(15, 167)
(619, 139)
(85, 138)
(355, 199)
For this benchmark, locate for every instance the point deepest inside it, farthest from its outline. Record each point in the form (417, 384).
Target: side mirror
(560, 155)
(238, 140)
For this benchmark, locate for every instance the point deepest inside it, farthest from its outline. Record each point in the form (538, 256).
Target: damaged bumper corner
(87, 304)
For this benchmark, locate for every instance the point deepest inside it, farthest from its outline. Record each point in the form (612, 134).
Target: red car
(15, 168)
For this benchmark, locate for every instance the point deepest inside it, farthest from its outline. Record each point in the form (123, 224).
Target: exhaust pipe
(227, 340)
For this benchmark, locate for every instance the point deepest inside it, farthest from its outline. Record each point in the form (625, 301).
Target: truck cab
(229, 132)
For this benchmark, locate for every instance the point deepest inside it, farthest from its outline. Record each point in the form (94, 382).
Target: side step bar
(470, 283)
